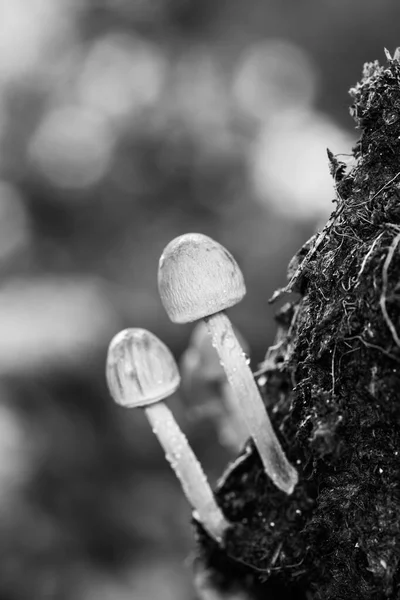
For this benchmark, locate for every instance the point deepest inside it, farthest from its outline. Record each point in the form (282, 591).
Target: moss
(333, 380)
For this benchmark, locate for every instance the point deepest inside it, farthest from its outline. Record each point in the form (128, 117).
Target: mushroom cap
(197, 277)
(140, 369)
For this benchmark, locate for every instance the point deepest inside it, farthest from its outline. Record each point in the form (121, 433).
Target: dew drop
(173, 463)
(246, 358)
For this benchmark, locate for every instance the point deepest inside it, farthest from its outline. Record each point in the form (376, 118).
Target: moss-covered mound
(332, 388)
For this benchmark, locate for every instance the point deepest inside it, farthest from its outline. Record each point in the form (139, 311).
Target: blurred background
(124, 123)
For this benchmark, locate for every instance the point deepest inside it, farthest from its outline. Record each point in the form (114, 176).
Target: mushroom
(141, 372)
(207, 391)
(198, 279)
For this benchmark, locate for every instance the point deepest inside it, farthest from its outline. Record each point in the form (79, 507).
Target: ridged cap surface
(197, 277)
(140, 368)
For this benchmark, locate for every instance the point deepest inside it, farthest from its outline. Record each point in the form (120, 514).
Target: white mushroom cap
(197, 277)
(140, 368)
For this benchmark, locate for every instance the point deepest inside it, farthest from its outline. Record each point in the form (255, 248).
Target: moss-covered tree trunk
(332, 388)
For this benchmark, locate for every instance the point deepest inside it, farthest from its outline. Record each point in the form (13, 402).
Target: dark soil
(332, 387)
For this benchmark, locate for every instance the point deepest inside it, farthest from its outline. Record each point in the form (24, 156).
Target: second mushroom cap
(140, 368)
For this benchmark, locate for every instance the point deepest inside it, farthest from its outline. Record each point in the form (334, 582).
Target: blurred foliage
(124, 123)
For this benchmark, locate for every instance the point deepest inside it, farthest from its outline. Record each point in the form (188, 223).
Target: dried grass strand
(382, 301)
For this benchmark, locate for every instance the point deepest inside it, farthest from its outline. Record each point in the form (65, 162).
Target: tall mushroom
(141, 372)
(198, 279)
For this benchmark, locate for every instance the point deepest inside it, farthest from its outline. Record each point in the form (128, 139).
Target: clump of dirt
(332, 387)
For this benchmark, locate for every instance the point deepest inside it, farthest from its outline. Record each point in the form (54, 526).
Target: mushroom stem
(187, 468)
(250, 403)
(141, 372)
(233, 432)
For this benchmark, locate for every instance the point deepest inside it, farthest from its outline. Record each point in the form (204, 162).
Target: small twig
(333, 371)
(382, 301)
(268, 362)
(394, 226)
(232, 467)
(383, 187)
(378, 192)
(375, 346)
(366, 257)
(276, 554)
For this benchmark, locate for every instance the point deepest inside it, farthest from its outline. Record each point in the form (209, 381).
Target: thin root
(382, 301)
(366, 257)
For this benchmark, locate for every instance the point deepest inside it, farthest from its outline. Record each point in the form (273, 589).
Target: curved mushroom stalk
(250, 404)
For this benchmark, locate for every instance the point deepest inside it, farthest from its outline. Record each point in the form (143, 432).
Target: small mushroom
(198, 279)
(141, 372)
(206, 390)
